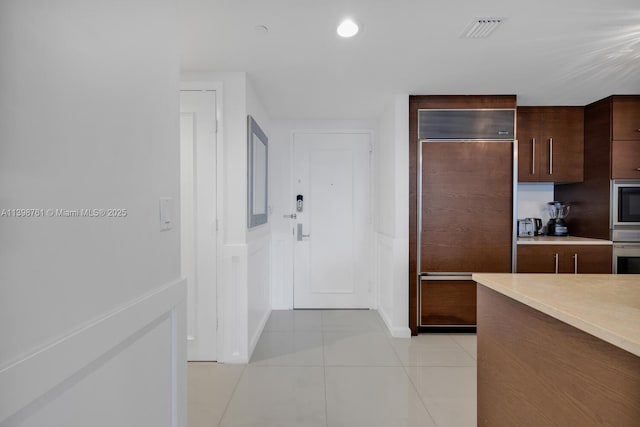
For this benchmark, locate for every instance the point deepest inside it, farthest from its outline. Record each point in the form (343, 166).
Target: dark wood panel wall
(433, 102)
(589, 200)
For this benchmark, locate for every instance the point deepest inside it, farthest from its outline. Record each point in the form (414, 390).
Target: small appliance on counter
(557, 226)
(529, 227)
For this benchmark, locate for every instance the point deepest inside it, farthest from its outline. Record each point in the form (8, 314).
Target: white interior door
(198, 219)
(332, 232)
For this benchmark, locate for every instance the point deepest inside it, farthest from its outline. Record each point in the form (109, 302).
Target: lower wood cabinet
(585, 259)
(448, 303)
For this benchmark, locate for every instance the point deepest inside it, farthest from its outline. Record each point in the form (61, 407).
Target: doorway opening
(198, 206)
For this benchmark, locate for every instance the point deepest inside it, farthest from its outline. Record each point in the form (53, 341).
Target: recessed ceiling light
(347, 28)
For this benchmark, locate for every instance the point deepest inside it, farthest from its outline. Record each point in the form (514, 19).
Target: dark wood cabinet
(536, 259)
(448, 302)
(625, 159)
(626, 119)
(611, 151)
(550, 144)
(528, 135)
(625, 135)
(584, 259)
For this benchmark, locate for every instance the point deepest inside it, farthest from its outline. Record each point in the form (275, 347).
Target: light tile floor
(334, 368)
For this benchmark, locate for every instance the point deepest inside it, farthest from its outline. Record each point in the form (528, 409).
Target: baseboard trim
(394, 331)
(258, 334)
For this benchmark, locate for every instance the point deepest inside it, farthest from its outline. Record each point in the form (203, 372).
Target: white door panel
(331, 266)
(198, 214)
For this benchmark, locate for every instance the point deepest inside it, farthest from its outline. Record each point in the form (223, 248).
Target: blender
(557, 226)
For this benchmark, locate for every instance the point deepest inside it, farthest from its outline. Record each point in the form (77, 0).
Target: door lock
(292, 216)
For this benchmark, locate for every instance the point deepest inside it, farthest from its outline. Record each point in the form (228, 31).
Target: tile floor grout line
(465, 350)
(415, 388)
(233, 393)
(324, 376)
(412, 371)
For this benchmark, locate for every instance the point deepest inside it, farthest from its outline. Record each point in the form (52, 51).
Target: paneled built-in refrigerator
(465, 209)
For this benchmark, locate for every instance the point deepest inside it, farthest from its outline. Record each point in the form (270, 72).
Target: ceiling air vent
(481, 28)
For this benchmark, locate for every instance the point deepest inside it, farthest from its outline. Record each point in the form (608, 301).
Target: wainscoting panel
(258, 287)
(126, 368)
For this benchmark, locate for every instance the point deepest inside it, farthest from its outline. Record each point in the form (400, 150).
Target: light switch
(166, 209)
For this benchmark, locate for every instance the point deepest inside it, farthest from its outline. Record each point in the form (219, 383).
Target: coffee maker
(557, 226)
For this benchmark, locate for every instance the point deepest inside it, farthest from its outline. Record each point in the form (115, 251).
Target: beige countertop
(566, 240)
(606, 306)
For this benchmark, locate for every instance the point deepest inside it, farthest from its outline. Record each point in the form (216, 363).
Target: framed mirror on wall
(257, 144)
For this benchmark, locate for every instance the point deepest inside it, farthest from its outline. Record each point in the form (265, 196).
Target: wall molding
(383, 253)
(256, 336)
(232, 304)
(396, 332)
(392, 302)
(24, 381)
(259, 249)
(281, 271)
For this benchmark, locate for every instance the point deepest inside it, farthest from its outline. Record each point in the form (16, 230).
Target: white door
(198, 219)
(332, 232)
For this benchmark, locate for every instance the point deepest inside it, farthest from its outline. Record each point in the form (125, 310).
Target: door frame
(218, 88)
(373, 294)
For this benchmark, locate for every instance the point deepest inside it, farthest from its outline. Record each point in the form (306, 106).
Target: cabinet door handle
(533, 156)
(575, 263)
(550, 156)
(556, 259)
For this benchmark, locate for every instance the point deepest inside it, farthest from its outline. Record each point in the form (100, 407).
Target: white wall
(533, 199)
(259, 244)
(89, 119)
(392, 216)
(244, 256)
(282, 203)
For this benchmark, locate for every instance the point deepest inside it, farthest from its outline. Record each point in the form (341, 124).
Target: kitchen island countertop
(566, 240)
(606, 306)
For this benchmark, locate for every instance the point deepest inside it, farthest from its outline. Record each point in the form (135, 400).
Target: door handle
(550, 156)
(301, 236)
(533, 156)
(575, 263)
(556, 260)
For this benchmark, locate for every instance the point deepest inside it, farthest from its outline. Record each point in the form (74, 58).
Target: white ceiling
(547, 52)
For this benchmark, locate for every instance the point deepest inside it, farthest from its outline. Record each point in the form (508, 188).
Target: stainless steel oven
(625, 203)
(625, 226)
(626, 258)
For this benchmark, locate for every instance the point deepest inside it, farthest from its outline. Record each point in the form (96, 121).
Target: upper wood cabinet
(550, 144)
(625, 132)
(626, 118)
(625, 159)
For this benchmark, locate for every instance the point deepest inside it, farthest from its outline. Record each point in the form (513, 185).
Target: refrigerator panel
(467, 206)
